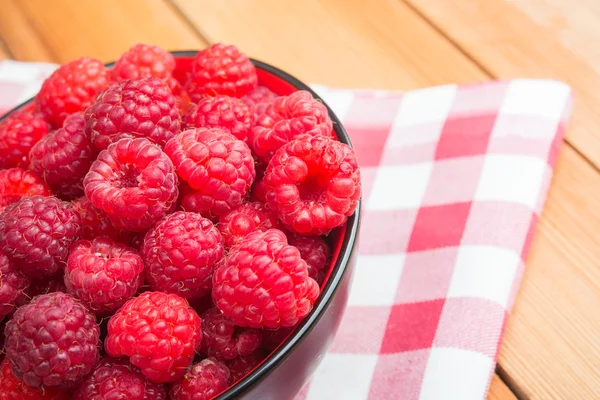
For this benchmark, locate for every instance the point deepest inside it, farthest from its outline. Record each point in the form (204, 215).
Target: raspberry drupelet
(95, 222)
(117, 379)
(19, 131)
(16, 183)
(144, 61)
(313, 183)
(259, 99)
(36, 233)
(159, 332)
(103, 274)
(63, 158)
(245, 219)
(52, 341)
(221, 69)
(14, 285)
(218, 167)
(143, 107)
(223, 340)
(71, 88)
(181, 253)
(221, 112)
(12, 388)
(133, 182)
(315, 251)
(263, 282)
(287, 118)
(203, 381)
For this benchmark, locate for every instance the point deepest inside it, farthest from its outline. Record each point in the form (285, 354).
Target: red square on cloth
(465, 135)
(439, 226)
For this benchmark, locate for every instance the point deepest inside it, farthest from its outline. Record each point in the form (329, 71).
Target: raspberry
(114, 379)
(142, 107)
(223, 340)
(160, 333)
(287, 118)
(103, 274)
(95, 222)
(258, 192)
(36, 233)
(144, 61)
(221, 112)
(52, 341)
(259, 99)
(63, 157)
(180, 254)
(13, 287)
(19, 131)
(221, 69)
(315, 251)
(203, 381)
(314, 184)
(12, 388)
(71, 89)
(16, 183)
(245, 219)
(263, 282)
(133, 182)
(272, 338)
(241, 366)
(215, 164)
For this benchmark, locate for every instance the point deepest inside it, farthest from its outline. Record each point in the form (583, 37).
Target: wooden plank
(20, 36)
(104, 29)
(536, 38)
(3, 52)
(352, 44)
(345, 43)
(499, 390)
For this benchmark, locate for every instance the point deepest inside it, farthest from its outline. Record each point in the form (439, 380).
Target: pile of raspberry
(159, 238)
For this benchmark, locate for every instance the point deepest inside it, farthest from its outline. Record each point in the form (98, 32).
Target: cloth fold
(454, 181)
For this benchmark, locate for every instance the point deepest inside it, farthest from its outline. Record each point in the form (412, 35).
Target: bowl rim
(328, 292)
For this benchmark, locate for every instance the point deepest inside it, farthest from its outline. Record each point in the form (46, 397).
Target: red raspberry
(144, 61)
(215, 164)
(63, 157)
(287, 118)
(13, 287)
(71, 88)
(314, 184)
(258, 191)
(241, 366)
(315, 251)
(133, 182)
(16, 183)
(52, 341)
(221, 112)
(19, 131)
(103, 274)
(272, 338)
(223, 340)
(52, 284)
(263, 282)
(245, 219)
(160, 333)
(113, 379)
(180, 254)
(95, 222)
(12, 388)
(142, 107)
(259, 99)
(36, 233)
(203, 381)
(221, 69)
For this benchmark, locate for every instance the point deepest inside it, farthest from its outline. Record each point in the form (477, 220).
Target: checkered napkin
(454, 180)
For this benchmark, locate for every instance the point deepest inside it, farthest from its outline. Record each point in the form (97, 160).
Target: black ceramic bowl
(285, 371)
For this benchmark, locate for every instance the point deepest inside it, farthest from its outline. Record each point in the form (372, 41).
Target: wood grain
(20, 35)
(104, 29)
(345, 43)
(534, 38)
(499, 390)
(3, 51)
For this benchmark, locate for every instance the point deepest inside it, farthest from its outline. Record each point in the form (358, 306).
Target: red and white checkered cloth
(454, 180)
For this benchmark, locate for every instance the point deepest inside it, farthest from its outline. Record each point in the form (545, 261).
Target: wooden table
(550, 349)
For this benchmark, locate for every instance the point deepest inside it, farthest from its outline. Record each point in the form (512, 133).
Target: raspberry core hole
(129, 177)
(313, 188)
